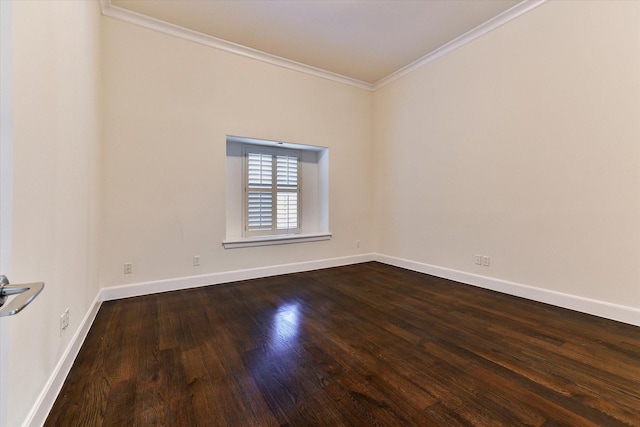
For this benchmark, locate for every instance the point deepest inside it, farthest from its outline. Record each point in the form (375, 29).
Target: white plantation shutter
(287, 172)
(260, 169)
(259, 203)
(260, 210)
(287, 210)
(272, 191)
(287, 198)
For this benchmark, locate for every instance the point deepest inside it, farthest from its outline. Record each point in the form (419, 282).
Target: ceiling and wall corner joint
(184, 33)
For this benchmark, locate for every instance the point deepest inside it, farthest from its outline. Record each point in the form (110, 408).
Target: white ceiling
(364, 40)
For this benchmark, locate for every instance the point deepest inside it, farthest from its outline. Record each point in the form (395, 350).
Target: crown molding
(479, 31)
(194, 36)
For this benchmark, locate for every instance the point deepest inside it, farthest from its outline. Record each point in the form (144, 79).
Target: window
(276, 193)
(272, 190)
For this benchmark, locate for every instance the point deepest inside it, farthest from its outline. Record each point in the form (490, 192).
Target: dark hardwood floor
(366, 344)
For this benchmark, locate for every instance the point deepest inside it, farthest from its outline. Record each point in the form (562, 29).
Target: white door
(6, 175)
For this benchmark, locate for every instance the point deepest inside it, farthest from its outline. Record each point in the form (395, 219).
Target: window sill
(274, 240)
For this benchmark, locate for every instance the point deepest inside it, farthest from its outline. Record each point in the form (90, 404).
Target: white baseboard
(603, 309)
(146, 288)
(38, 414)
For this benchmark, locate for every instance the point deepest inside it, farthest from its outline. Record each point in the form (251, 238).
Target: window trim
(275, 239)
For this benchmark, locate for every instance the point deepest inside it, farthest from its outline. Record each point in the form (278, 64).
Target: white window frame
(274, 190)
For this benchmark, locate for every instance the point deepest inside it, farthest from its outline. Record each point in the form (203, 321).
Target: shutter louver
(287, 201)
(259, 203)
(260, 210)
(287, 172)
(287, 210)
(260, 170)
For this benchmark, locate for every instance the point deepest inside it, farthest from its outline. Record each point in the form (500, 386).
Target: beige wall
(525, 146)
(56, 79)
(169, 105)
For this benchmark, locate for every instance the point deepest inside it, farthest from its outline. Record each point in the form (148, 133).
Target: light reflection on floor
(286, 324)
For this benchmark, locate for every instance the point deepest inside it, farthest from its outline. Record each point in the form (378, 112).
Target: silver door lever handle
(23, 295)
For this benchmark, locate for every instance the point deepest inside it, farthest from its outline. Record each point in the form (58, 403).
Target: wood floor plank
(365, 344)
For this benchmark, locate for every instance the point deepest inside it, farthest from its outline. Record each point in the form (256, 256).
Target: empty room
(269, 213)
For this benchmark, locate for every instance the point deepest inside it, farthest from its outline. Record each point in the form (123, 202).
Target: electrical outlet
(478, 259)
(128, 268)
(486, 261)
(196, 260)
(357, 243)
(64, 321)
